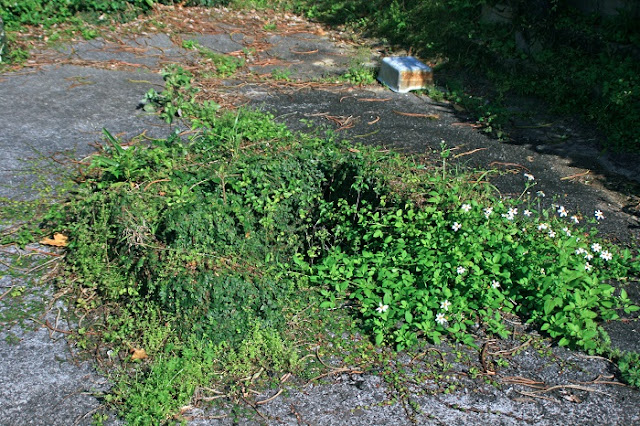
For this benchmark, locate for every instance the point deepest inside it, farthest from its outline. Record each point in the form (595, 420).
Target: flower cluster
(510, 213)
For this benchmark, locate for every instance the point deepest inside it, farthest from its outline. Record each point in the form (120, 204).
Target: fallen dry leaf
(138, 354)
(58, 240)
(458, 108)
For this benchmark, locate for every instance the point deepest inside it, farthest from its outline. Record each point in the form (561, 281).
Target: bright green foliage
(359, 75)
(179, 369)
(629, 365)
(222, 238)
(49, 12)
(406, 262)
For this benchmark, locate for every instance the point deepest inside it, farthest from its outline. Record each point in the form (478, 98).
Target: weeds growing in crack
(217, 264)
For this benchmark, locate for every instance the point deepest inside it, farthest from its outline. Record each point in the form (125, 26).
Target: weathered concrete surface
(60, 110)
(63, 107)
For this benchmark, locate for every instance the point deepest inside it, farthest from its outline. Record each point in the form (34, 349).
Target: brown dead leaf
(458, 108)
(58, 240)
(138, 354)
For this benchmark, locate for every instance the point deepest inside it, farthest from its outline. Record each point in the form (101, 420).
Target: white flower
(562, 211)
(599, 215)
(488, 211)
(382, 308)
(566, 231)
(541, 194)
(527, 213)
(596, 247)
(588, 256)
(529, 176)
(461, 270)
(543, 272)
(587, 267)
(466, 207)
(445, 305)
(575, 219)
(606, 255)
(456, 226)
(552, 234)
(542, 227)
(512, 211)
(495, 284)
(440, 319)
(580, 250)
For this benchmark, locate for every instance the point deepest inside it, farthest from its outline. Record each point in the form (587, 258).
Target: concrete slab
(306, 56)
(220, 43)
(62, 109)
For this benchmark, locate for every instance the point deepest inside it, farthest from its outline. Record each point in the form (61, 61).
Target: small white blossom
(527, 213)
(580, 250)
(541, 194)
(605, 255)
(542, 227)
(587, 267)
(543, 272)
(575, 220)
(466, 207)
(382, 308)
(566, 231)
(445, 305)
(441, 319)
(596, 247)
(599, 215)
(562, 211)
(588, 256)
(552, 234)
(456, 226)
(461, 270)
(511, 214)
(529, 176)
(495, 284)
(488, 211)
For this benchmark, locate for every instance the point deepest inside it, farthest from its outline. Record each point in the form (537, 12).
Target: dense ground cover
(285, 231)
(292, 239)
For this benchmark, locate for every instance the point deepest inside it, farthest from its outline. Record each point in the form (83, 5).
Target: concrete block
(404, 73)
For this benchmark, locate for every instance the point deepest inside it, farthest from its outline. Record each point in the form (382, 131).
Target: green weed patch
(220, 255)
(222, 262)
